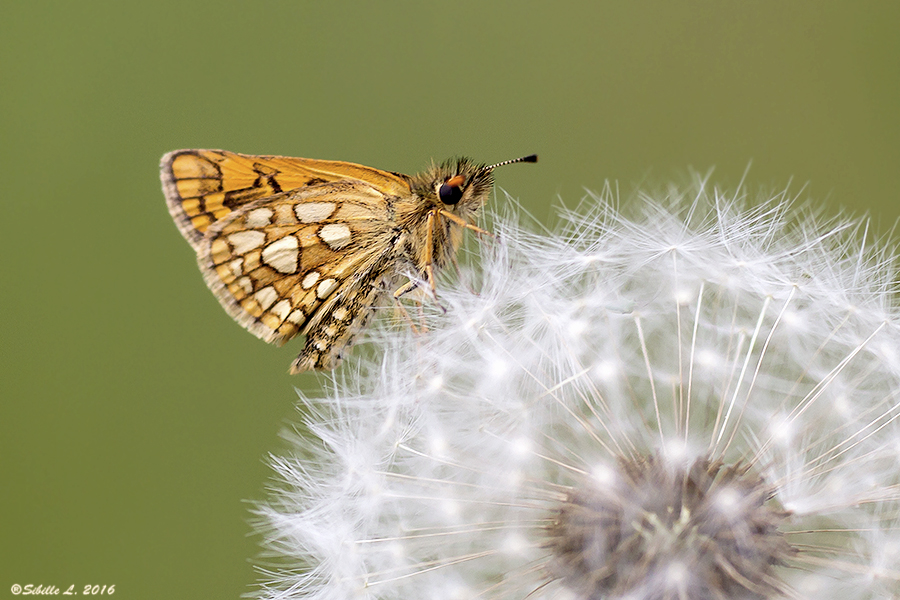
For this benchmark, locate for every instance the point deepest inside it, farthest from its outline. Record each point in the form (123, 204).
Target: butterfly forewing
(204, 186)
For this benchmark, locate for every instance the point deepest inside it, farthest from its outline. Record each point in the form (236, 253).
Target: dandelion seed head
(698, 401)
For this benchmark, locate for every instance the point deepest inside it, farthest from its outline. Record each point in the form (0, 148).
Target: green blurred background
(136, 416)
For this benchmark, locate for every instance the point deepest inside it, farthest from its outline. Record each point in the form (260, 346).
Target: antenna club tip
(531, 158)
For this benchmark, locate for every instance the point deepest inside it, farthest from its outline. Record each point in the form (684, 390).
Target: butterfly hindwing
(279, 265)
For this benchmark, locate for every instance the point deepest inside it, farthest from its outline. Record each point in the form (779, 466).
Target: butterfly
(297, 245)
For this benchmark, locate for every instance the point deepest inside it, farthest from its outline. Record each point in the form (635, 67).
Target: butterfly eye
(451, 192)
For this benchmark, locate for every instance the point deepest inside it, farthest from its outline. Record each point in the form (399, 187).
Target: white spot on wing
(244, 241)
(245, 284)
(282, 309)
(266, 297)
(259, 217)
(325, 288)
(297, 317)
(237, 267)
(314, 212)
(282, 255)
(336, 235)
(310, 280)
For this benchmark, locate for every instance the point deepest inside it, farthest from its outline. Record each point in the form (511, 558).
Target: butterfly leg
(405, 288)
(463, 223)
(405, 315)
(429, 245)
(429, 259)
(429, 262)
(414, 284)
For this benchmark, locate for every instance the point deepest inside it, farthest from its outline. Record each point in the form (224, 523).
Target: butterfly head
(461, 186)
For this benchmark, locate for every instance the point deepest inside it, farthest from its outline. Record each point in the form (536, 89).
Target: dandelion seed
(702, 402)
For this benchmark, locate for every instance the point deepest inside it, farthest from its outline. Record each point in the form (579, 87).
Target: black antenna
(530, 158)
